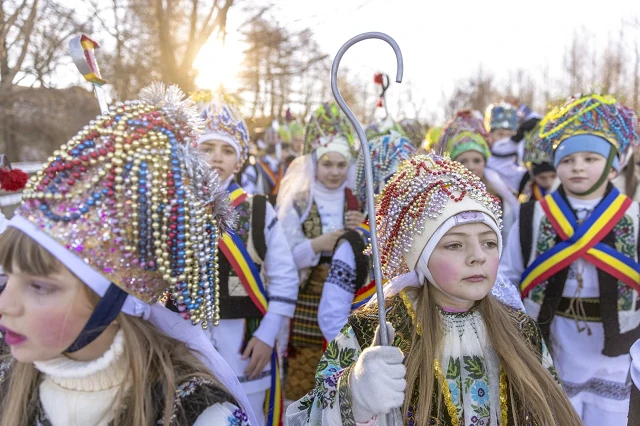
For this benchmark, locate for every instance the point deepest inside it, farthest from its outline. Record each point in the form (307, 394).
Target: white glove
(378, 381)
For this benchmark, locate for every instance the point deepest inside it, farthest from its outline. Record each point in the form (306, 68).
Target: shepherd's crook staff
(81, 49)
(368, 172)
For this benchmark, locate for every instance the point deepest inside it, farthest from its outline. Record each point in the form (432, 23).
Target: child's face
(579, 172)
(40, 317)
(474, 161)
(545, 179)
(464, 264)
(222, 157)
(332, 170)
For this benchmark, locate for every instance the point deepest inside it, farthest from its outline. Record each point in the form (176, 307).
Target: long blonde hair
(156, 362)
(528, 379)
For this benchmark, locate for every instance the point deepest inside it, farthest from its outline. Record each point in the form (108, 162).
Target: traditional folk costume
(112, 206)
(536, 160)
(258, 278)
(350, 282)
(577, 263)
(464, 133)
(307, 209)
(431, 194)
(504, 158)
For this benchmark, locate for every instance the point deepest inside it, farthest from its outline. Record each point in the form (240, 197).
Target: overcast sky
(445, 41)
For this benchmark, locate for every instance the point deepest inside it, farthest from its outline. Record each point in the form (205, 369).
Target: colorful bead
(129, 196)
(418, 191)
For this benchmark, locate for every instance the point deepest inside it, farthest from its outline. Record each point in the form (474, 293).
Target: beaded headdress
(590, 114)
(130, 197)
(223, 120)
(326, 123)
(465, 132)
(387, 152)
(534, 153)
(424, 192)
(501, 116)
(414, 131)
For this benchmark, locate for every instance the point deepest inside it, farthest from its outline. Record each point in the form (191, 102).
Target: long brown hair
(156, 362)
(528, 379)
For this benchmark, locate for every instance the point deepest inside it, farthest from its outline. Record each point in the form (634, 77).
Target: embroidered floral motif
(601, 387)
(342, 275)
(238, 418)
(244, 221)
(546, 241)
(625, 244)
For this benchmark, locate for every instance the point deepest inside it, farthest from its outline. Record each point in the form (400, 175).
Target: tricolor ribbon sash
(363, 295)
(272, 178)
(537, 192)
(583, 241)
(365, 229)
(233, 248)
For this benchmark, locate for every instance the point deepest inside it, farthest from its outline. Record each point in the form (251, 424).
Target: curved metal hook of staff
(368, 172)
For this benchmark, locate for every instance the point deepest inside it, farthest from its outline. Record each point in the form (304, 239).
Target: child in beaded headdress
(541, 174)
(258, 278)
(350, 284)
(463, 352)
(501, 121)
(316, 206)
(120, 214)
(575, 255)
(464, 139)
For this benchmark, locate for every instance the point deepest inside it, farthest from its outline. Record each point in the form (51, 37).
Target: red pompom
(379, 104)
(13, 180)
(377, 78)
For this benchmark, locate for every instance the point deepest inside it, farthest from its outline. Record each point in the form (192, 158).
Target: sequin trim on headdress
(326, 123)
(465, 132)
(591, 114)
(221, 115)
(131, 197)
(417, 192)
(534, 152)
(387, 152)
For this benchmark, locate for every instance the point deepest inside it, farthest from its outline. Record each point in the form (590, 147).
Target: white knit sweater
(75, 393)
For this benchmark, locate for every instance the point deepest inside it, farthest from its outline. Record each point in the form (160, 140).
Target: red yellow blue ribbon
(233, 248)
(274, 180)
(537, 192)
(583, 241)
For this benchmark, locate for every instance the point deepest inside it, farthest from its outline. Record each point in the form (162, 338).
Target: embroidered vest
(305, 330)
(399, 313)
(234, 301)
(619, 304)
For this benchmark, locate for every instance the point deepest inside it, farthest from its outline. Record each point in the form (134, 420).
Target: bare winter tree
(157, 39)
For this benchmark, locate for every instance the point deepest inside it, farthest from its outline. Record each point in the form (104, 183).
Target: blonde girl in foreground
(115, 219)
(462, 354)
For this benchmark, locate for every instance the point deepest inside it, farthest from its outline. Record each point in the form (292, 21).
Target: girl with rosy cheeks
(89, 344)
(40, 316)
(462, 351)
(315, 206)
(465, 265)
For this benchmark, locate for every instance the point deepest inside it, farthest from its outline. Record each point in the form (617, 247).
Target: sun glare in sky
(218, 63)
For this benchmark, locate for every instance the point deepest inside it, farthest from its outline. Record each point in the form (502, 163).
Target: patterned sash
(272, 178)
(236, 253)
(583, 241)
